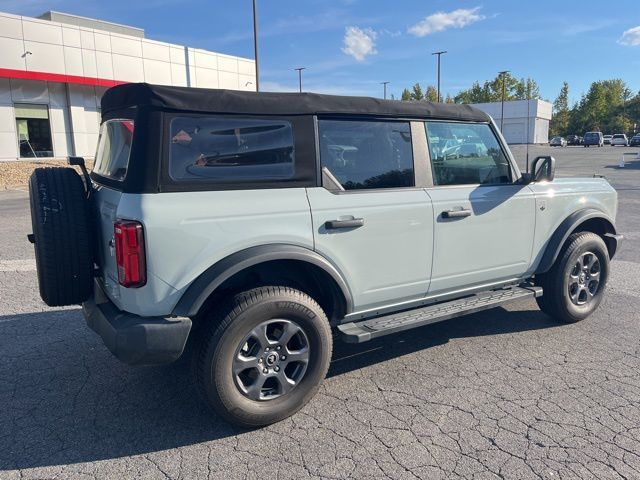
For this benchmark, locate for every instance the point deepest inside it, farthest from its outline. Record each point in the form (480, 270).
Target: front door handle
(349, 223)
(456, 213)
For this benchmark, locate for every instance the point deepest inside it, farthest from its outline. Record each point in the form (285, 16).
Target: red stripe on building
(58, 77)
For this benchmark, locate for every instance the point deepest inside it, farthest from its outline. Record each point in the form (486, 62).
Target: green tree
(527, 89)
(561, 112)
(432, 94)
(416, 92)
(406, 95)
(449, 99)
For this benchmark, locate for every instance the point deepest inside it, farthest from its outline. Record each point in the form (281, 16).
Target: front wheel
(263, 355)
(575, 285)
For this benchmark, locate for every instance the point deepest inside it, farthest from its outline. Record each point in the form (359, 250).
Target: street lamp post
(384, 84)
(502, 74)
(255, 44)
(299, 70)
(439, 54)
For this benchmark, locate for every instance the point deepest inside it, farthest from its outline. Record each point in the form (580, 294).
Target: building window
(34, 130)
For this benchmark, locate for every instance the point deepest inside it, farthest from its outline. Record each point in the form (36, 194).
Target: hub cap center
(271, 359)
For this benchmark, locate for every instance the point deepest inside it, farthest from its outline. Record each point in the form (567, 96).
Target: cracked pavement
(506, 393)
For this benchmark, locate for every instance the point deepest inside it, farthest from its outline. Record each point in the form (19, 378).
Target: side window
(114, 147)
(230, 149)
(362, 154)
(466, 153)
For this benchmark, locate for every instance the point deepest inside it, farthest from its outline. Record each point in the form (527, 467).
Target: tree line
(608, 106)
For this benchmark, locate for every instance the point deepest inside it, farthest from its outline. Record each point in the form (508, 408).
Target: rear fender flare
(202, 287)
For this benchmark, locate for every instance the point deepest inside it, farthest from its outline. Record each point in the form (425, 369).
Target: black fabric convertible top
(190, 99)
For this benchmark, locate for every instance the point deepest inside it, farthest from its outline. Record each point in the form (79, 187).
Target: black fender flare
(202, 287)
(565, 229)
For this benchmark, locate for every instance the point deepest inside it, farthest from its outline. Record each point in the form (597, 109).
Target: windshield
(114, 147)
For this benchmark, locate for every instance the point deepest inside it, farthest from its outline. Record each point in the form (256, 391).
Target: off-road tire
(227, 327)
(556, 300)
(62, 236)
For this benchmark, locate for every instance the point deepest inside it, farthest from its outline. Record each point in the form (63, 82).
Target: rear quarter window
(114, 148)
(223, 149)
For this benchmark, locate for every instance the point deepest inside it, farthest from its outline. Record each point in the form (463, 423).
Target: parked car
(635, 140)
(593, 138)
(619, 139)
(574, 140)
(259, 223)
(607, 139)
(558, 142)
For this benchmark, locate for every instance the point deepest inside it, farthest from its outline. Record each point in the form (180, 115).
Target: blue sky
(350, 46)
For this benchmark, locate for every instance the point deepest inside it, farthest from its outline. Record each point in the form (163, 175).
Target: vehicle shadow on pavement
(64, 399)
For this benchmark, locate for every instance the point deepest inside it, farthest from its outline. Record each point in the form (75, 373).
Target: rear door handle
(349, 223)
(456, 213)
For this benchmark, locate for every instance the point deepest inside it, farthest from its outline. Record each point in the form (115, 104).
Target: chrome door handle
(350, 223)
(456, 213)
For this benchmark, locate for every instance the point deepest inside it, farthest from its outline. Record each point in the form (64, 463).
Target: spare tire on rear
(62, 235)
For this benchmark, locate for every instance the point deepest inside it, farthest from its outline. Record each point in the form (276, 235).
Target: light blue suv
(261, 225)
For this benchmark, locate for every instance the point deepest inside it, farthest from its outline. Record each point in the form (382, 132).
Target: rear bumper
(135, 340)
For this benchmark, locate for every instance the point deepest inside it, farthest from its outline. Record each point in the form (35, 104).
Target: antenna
(528, 131)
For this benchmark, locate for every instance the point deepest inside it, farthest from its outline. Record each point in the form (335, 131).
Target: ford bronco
(263, 225)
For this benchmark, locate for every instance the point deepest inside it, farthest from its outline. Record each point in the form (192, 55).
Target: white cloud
(359, 43)
(443, 20)
(631, 37)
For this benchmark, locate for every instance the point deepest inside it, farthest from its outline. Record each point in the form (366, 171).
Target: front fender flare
(565, 229)
(202, 287)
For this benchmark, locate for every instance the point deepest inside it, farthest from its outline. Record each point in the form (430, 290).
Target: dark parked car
(635, 141)
(574, 140)
(593, 138)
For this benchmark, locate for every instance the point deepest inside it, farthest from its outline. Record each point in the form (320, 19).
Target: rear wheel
(263, 355)
(575, 285)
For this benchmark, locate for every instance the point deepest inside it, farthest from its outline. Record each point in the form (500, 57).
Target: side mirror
(543, 169)
(77, 161)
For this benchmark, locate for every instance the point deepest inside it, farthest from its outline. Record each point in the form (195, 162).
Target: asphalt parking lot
(505, 393)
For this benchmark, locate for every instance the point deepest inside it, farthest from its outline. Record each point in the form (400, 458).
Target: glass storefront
(34, 130)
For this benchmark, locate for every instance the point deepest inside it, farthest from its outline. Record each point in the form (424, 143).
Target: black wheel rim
(271, 360)
(584, 279)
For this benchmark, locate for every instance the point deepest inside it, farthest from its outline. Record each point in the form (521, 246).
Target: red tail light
(130, 255)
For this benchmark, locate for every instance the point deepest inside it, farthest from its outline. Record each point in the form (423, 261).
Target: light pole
(439, 54)
(299, 69)
(384, 84)
(255, 44)
(502, 74)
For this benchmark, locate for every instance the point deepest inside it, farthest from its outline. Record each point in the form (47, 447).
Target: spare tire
(62, 236)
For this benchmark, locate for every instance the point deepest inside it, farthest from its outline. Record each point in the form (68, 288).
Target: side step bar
(358, 332)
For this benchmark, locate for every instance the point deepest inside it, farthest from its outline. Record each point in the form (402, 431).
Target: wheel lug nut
(276, 368)
(264, 370)
(283, 357)
(278, 347)
(266, 349)
(259, 360)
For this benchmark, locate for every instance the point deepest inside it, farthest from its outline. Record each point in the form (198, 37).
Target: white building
(55, 68)
(518, 118)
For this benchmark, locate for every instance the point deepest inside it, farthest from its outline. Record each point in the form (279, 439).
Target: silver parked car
(620, 139)
(257, 224)
(558, 142)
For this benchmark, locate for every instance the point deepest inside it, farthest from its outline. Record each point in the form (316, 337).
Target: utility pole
(299, 70)
(255, 44)
(439, 54)
(502, 74)
(384, 84)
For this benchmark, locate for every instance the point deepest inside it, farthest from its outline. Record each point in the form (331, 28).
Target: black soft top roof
(269, 103)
